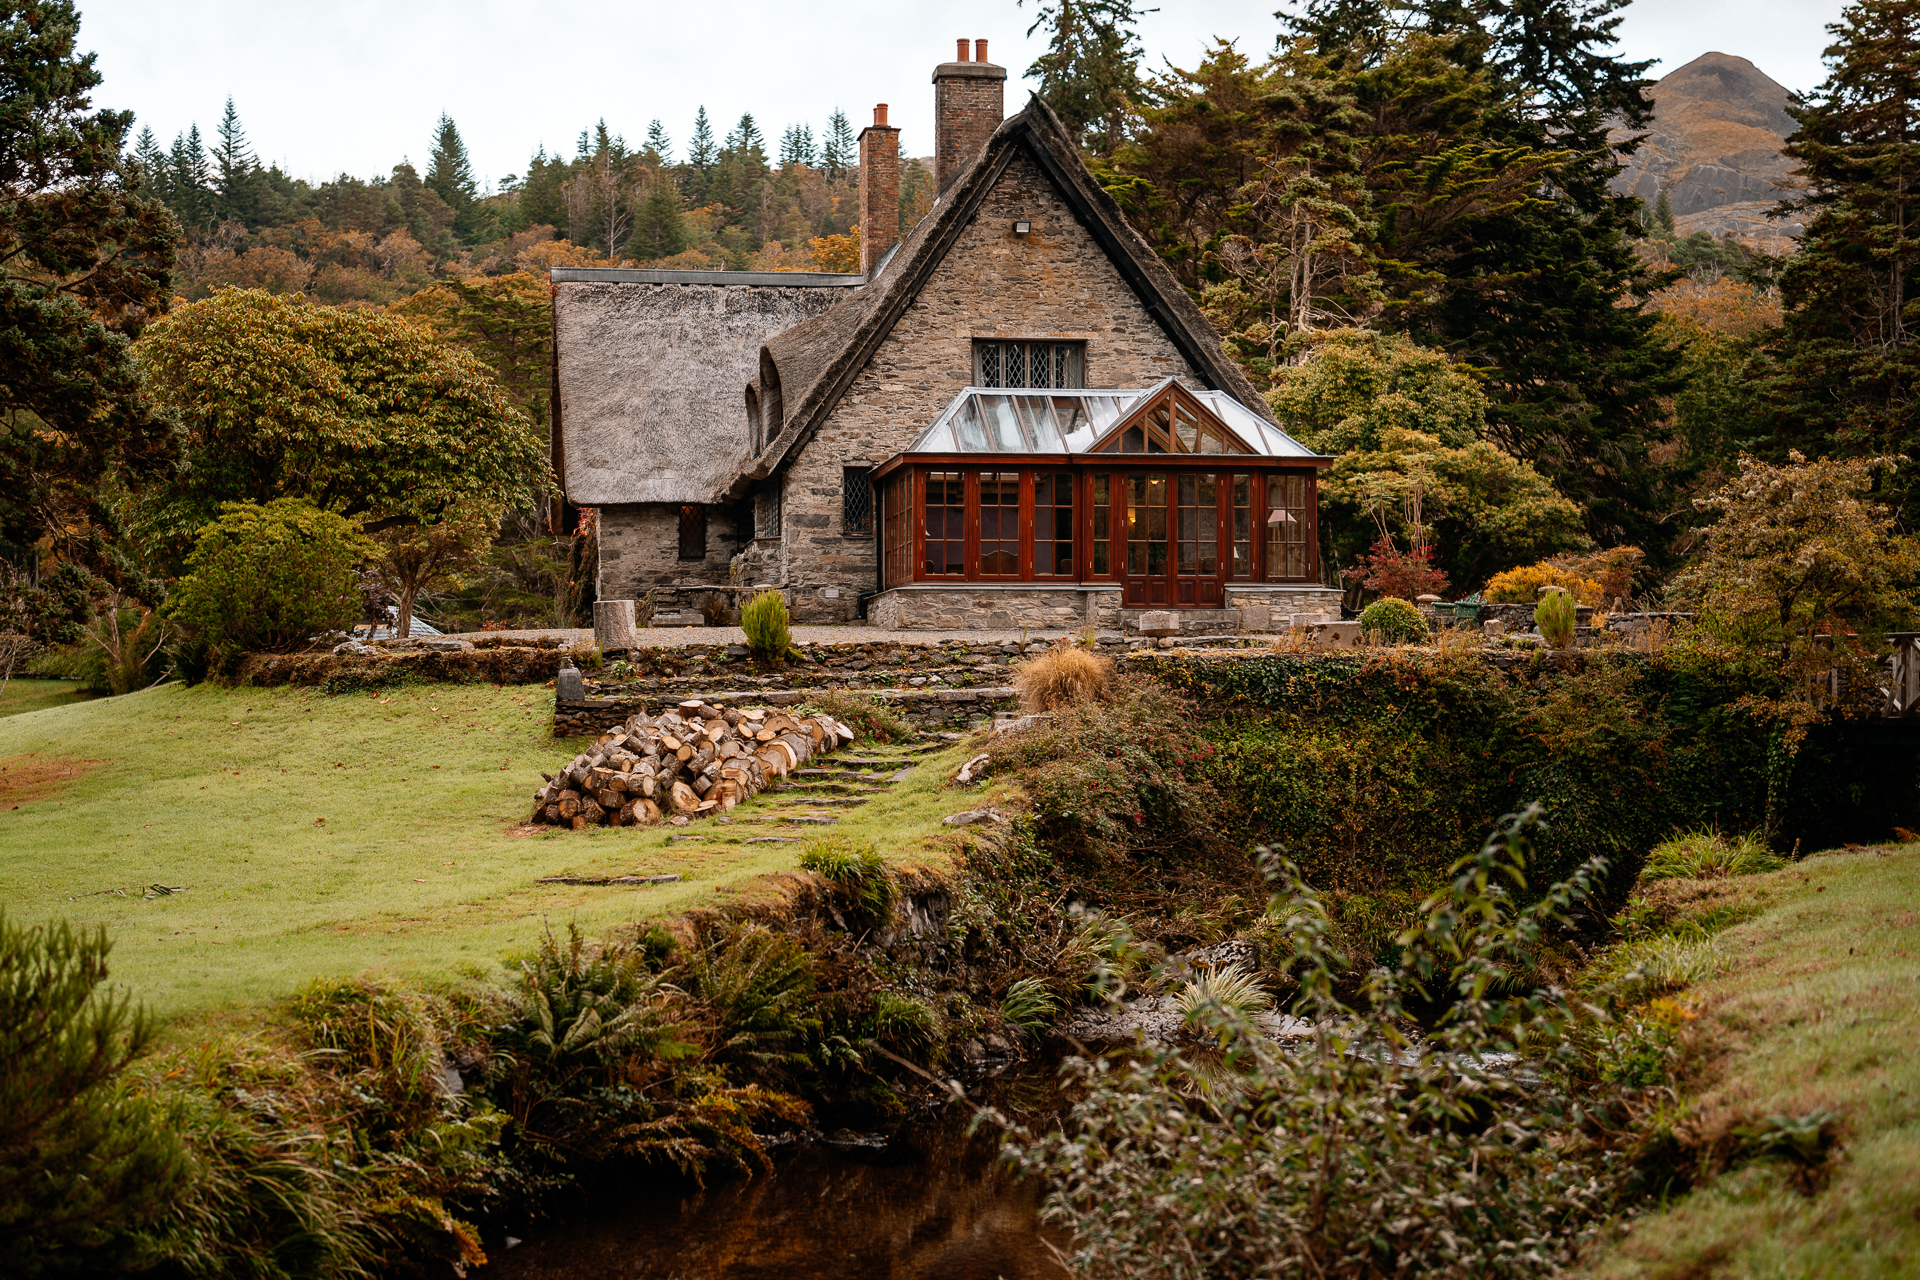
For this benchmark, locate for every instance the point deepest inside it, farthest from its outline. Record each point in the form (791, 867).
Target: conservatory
(1172, 495)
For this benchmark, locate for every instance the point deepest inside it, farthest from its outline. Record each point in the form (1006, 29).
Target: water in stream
(928, 1205)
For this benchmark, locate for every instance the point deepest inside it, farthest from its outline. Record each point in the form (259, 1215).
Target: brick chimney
(969, 101)
(879, 190)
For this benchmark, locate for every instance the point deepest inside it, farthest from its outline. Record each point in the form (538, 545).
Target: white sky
(356, 85)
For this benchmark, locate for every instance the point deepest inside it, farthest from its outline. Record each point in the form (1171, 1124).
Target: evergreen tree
(701, 151)
(747, 141)
(151, 161)
(1849, 363)
(190, 186)
(233, 169)
(1663, 216)
(1090, 72)
(542, 200)
(658, 231)
(85, 257)
(659, 143)
(450, 176)
(840, 149)
(797, 148)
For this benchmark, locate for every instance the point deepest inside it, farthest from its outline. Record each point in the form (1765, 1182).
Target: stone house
(1013, 417)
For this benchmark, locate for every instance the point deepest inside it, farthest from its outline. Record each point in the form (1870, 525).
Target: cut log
(684, 754)
(609, 799)
(685, 799)
(591, 811)
(765, 735)
(577, 822)
(669, 743)
(569, 806)
(646, 812)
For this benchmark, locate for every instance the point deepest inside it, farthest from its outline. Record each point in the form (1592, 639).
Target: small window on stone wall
(766, 512)
(856, 501)
(693, 532)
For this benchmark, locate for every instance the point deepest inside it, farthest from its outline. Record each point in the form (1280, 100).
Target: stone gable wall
(1054, 283)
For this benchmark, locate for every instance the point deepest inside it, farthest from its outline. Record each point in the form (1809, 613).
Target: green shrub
(769, 630)
(269, 577)
(1394, 621)
(1555, 616)
(860, 713)
(1029, 1006)
(82, 1162)
(1707, 854)
(1228, 989)
(858, 872)
(904, 1024)
(758, 988)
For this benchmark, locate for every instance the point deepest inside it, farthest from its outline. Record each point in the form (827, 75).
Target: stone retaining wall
(927, 708)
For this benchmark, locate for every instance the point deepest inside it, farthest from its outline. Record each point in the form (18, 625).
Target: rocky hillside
(1714, 146)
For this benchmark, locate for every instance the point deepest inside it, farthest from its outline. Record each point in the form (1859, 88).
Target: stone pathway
(793, 809)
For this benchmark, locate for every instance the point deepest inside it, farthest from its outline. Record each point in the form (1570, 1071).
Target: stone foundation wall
(985, 608)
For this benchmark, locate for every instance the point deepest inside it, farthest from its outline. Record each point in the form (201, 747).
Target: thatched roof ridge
(816, 361)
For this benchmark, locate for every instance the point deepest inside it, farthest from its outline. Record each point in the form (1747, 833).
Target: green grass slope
(312, 836)
(37, 695)
(1819, 1011)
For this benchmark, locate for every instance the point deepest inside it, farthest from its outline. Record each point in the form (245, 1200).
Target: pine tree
(190, 183)
(747, 141)
(88, 256)
(840, 150)
(151, 161)
(659, 143)
(542, 202)
(797, 148)
(233, 169)
(1090, 72)
(658, 231)
(701, 152)
(1850, 366)
(450, 176)
(1663, 216)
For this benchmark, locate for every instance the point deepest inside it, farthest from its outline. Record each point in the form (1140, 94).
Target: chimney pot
(979, 51)
(879, 115)
(961, 56)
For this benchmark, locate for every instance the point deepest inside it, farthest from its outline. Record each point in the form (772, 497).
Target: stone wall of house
(1053, 283)
(1060, 609)
(640, 549)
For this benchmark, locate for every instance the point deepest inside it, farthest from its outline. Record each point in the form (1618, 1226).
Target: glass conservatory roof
(998, 420)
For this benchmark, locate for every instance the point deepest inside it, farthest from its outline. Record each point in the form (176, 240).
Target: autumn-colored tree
(505, 320)
(1804, 568)
(836, 253)
(361, 412)
(413, 558)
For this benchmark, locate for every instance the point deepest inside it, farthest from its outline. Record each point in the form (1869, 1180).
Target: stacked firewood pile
(698, 759)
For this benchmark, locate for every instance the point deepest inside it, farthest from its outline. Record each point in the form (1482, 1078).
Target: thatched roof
(651, 367)
(807, 368)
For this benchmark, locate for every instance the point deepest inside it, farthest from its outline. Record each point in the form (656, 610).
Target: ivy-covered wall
(1377, 771)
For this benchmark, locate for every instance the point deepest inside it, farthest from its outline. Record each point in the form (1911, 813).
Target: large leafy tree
(1461, 163)
(84, 260)
(1849, 363)
(361, 412)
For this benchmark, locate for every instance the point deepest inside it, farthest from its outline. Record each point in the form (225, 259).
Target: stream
(926, 1203)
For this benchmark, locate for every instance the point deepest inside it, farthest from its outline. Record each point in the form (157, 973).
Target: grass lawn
(317, 836)
(1819, 1011)
(38, 695)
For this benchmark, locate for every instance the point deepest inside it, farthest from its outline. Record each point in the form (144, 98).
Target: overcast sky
(356, 85)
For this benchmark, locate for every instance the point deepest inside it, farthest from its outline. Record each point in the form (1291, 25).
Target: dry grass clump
(1063, 676)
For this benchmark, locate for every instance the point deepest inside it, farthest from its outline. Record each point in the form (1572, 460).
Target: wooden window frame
(693, 531)
(909, 483)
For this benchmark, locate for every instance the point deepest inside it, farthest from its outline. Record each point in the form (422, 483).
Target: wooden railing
(1902, 689)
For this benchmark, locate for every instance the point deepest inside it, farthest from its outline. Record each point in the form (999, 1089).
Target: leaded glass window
(1027, 364)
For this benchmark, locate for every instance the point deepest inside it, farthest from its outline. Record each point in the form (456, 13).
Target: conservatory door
(1172, 534)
